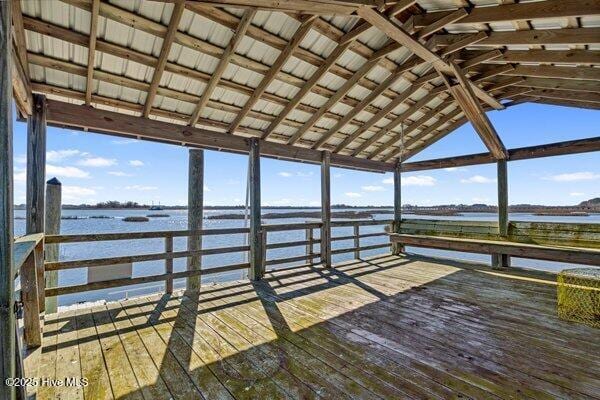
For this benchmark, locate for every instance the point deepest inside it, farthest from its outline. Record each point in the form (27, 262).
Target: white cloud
(454, 169)
(71, 193)
(477, 179)
(58, 155)
(373, 188)
(20, 176)
(97, 162)
(284, 174)
(573, 177)
(206, 188)
(136, 163)
(419, 180)
(304, 174)
(119, 173)
(353, 194)
(576, 194)
(20, 159)
(388, 181)
(141, 188)
(66, 172)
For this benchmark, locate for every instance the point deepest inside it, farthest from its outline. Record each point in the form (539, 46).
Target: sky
(95, 168)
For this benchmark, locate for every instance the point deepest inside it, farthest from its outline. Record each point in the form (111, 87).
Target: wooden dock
(387, 327)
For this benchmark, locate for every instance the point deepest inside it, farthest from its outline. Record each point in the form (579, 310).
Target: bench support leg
(500, 261)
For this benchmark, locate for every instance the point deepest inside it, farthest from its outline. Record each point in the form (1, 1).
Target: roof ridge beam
(222, 65)
(164, 55)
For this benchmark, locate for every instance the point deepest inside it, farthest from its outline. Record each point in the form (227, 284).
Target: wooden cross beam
(316, 7)
(164, 55)
(223, 62)
(398, 34)
(283, 57)
(92, 51)
(518, 12)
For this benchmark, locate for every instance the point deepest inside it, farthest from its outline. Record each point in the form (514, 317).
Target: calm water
(177, 220)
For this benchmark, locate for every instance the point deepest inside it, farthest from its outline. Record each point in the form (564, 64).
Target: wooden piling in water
(52, 227)
(195, 213)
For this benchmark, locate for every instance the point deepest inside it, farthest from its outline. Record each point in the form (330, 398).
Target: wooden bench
(565, 242)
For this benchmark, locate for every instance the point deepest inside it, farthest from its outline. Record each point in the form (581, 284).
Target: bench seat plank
(576, 255)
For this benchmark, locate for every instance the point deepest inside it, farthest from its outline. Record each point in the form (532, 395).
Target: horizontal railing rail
(309, 241)
(357, 236)
(98, 237)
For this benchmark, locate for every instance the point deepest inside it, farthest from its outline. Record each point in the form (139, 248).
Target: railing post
(169, 264)
(397, 248)
(195, 209)
(326, 209)
(52, 227)
(263, 247)
(31, 301)
(7, 316)
(356, 241)
(309, 246)
(255, 210)
(502, 260)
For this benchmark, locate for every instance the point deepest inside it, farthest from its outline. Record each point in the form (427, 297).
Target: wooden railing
(308, 242)
(28, 259)
(168, 255)
(357, 236)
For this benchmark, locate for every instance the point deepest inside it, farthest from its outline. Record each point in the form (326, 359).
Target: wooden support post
(502, 260)
(29, 296)
(263, 247)
(397, 248)
(326, 209)
(7, 316)
(255, 210)
(169, 264)
(36, 175)
(195, 209)
(52, 227)
(356, 241)
(309, 246)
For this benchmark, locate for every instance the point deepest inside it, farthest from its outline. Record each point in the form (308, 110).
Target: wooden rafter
(560, 84)
(283, 57)
(465, 97)
(577, 57)
(316, 7)
(519, 12)
(341, 92)
(314, 79)
(546, 71)
(91, 51)
(222, 65)
(398, 34)
(20, 70)
(583, 97)
(164, 55)
(405, 134)
(571, 36)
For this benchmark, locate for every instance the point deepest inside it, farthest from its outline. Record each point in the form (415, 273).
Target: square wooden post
(195, 213)
(36, 177)
(52, 227)
(7, 316)
(326, 209)
(502, 260)
(397, 248)
(256, 252)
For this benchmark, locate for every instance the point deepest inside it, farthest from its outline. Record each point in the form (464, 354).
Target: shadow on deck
(385, 327)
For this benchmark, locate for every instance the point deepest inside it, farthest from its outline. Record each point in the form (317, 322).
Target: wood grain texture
(384, 327)
(7, 318)
(52, 227)
(326, 209)
(36, 166)
(255, 240)
(195, 213)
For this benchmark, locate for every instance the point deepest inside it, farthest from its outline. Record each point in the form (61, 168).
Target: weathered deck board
(380, 328)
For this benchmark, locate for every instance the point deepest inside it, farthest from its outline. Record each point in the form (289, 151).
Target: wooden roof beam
(113, 123)
(398, 34)
(545, 71)
(91, 51)
(20, 67)
(283, 57)
(431, 136)
(222, 65)
(561, 84)
(570, 36)
(315, 7)
(582, 97)
(518, 12)
(465, 97)
(577, 57)
(341, 92)
(164, 55)
(567, 103)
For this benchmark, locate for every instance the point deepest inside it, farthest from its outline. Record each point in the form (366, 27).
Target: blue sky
(95, 168)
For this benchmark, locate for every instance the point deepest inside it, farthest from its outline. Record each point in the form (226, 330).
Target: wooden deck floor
(386, 327)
